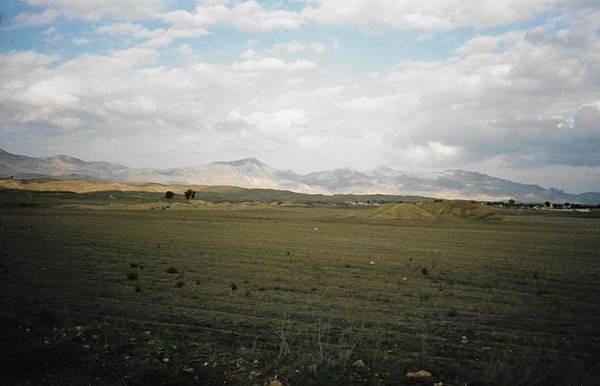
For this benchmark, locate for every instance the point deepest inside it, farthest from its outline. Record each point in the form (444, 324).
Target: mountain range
(252, 173)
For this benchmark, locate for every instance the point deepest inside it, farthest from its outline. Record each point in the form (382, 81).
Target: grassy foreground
(129, 289)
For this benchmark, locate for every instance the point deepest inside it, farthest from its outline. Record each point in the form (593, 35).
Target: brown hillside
(86, 186)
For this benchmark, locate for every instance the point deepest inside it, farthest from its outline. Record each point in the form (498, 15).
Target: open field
(127, 288)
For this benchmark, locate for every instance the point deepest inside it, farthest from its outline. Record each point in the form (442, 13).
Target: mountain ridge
(252, 173)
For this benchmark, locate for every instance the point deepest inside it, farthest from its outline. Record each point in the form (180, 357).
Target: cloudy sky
(509, 88)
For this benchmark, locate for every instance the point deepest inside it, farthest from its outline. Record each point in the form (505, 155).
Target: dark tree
(189, 194)
(511, 202)
(169, 195)
(547, 204)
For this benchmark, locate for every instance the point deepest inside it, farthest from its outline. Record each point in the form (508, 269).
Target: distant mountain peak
(244, 162)
(67, 158)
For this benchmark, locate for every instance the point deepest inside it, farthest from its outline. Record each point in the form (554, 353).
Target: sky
(508, 88)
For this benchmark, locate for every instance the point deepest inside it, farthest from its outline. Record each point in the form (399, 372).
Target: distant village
(566, 206)
(554, 206)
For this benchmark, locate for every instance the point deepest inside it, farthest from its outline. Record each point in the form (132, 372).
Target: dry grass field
(129, 289)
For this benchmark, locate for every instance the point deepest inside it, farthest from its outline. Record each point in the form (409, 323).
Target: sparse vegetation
(189, 194)
(132, 276)
(172, 270)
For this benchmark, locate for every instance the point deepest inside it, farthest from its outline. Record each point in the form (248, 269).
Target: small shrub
(132, 276)
(541, 292)
(424, 271)
(233, 286)
(452, 313)
(138, 289)
(134, 265)
(172, 270)
(180, 284)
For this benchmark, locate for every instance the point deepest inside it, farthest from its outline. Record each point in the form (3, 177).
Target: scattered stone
(312, 369)
(419, 375)
(275, 382)
(359, 364)
(371, 262)
(464, 340)
(188, 370)
(438, 384)
(166, 360)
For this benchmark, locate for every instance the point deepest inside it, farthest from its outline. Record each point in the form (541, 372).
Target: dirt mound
(400, 211)
(465, 209)
(438, 209)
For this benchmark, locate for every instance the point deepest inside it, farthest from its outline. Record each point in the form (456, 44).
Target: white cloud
(431, 153)
(261, 64)
(424, 15)
(301, 65)
(296, 46)
(318, 48)
(257, 63)
(290, 47)
(80, 40)
(87, 10)
(23, 61)
(245, 15)
(155, 38)
(250, 15)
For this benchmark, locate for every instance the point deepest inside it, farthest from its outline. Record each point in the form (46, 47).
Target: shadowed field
(136, 290)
